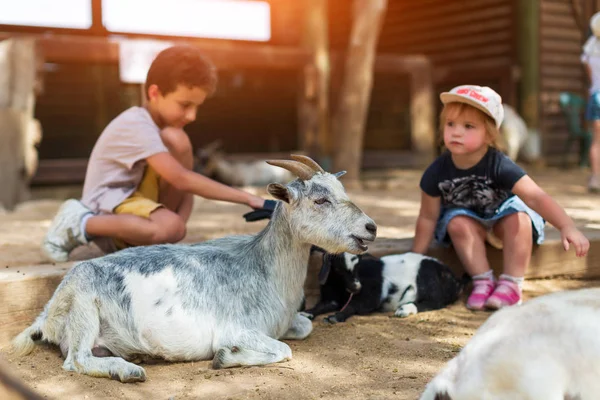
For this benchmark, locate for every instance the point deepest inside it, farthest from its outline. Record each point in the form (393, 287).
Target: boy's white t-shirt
(118, 160)
(591, 56)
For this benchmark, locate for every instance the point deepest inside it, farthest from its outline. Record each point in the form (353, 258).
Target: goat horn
(309, 162)
(300, 170)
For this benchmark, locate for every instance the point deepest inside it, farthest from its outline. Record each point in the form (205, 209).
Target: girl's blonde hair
(456, 108)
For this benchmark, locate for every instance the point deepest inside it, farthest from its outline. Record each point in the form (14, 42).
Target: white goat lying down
(228, 299)
(546, 349)
(211, 161)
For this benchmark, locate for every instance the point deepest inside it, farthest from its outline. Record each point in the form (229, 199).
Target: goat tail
(24, 343)
(49, 324)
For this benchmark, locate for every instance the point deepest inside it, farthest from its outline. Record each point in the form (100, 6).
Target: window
(219, 19)
(73, 14)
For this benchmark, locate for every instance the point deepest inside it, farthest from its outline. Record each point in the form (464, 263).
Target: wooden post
(350, 118)
(313, 107)
(529, 49)
(19, 131)
(422, 114)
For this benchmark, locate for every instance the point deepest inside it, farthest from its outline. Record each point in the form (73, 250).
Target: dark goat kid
(404, 283)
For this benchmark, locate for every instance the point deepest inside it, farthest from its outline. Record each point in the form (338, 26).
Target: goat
(228, 299)
(211, 161)
(521, 142)
(404, 283)
(547, 348)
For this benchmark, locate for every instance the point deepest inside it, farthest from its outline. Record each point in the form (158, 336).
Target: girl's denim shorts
(510, 206)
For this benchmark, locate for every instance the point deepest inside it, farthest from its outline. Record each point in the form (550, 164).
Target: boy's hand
(256, 202)
(264, 213)
(572, 235)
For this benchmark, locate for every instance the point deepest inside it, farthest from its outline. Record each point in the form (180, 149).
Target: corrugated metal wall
(561, 70)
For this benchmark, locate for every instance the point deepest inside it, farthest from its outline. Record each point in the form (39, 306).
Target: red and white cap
(481, 97)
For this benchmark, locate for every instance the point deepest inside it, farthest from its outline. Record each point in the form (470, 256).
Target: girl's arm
(426, 222)
(551, 211)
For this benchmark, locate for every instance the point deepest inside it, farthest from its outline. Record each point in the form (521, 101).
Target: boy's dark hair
(181, 65)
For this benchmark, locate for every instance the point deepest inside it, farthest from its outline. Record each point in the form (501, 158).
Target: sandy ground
(371, 357)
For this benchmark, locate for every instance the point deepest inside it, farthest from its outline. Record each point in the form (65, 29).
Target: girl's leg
(516, 232)
(468, 239)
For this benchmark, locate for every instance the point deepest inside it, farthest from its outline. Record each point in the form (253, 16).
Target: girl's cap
(481, 97)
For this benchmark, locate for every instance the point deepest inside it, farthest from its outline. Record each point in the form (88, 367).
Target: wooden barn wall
(468, 41)
(561, 40)
(465, 39)
(253, 110)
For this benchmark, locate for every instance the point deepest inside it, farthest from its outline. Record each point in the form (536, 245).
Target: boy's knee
(179, 145)
(171, 232)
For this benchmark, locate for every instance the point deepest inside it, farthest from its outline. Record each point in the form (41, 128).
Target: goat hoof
(405, 310)
(222, 357)
(136, 374)
(331, 320)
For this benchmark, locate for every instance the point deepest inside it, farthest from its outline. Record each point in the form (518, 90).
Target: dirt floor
(372, 357)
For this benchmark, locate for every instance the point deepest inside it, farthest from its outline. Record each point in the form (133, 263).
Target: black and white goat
(404, 283)
(229, 299)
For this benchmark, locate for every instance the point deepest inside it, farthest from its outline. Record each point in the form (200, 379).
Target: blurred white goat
(211, 162)
(546, 349)
(520, 141)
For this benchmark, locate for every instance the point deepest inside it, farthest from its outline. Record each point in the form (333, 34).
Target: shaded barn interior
(256, 109)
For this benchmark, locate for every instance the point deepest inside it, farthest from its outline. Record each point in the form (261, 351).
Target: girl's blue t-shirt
(481, 188)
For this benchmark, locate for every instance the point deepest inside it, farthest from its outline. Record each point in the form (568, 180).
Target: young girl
(473, 193)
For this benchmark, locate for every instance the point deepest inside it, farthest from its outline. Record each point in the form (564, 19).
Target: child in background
(591, 59)
(139, 184)
(473, 193)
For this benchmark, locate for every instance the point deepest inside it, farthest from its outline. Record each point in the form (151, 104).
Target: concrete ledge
(549, 260)
(25, 290)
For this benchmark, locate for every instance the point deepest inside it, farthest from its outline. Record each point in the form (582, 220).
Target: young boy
(139, 184)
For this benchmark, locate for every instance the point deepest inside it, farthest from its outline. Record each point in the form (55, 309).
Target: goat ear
(279, 191)
(339, 174)
(325, 269)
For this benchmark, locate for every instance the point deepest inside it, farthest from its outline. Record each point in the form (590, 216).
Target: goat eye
(321, 201)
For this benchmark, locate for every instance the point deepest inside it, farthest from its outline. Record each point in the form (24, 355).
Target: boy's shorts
(143, 202)
(592, 110)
